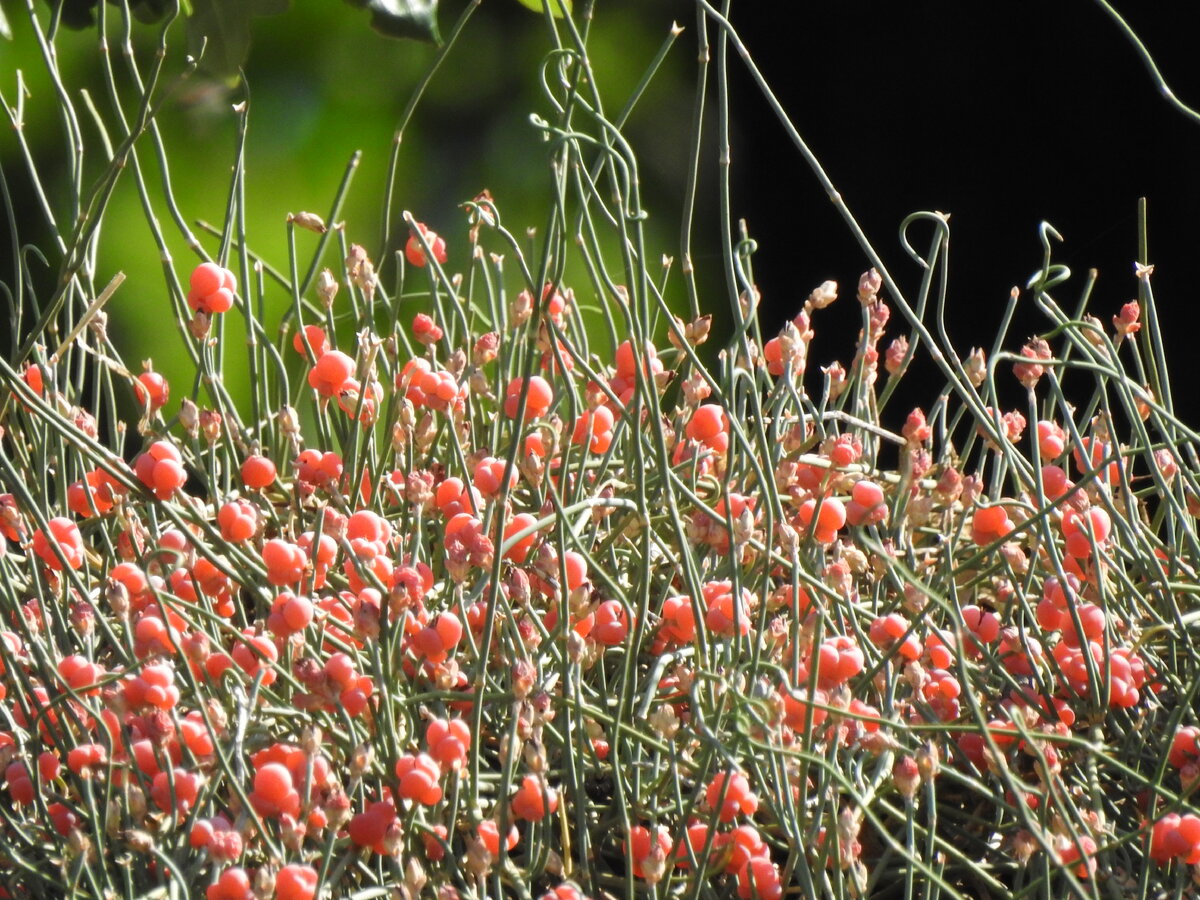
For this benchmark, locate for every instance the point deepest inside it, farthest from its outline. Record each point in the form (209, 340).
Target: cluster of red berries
(212, 289)
(205, 631)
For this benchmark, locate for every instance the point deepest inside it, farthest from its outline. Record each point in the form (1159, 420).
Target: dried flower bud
(894, 356)
(695, 389)
(83, 618)
(856, 559)
(327, 287)
(1093, 333)
(1126, 321)
(361, 759)
(906, 776)
(289, 421)
(84, 421)
(949, 485)
(916, 430)
(976, 366)
(823, 295)
(664, 721)
(793, 350)
(78, 844)
(414, 876)
(99, 324)
(139, 841)
(749, 301)
(308, 221)
(929, 761)
(210, 425)
(576, 646)
(835, 373)
(113, 818)
(521, 309)
(535, 756)
(877, 320)
(418, 488)
(361, 270)
(1167, 463)
(869, 284)
(264, 882)
(136, 803)
(1028, 373)
(849, 822)
(425, 433)
(356, 256)
(199, 324)
(524, 674)
(478, 861)
(189, 417)
(366, 280)
(696, 332)
(485, 349)
(1023, 845)
(117, 597)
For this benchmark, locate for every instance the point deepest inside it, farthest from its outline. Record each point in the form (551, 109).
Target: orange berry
(258, 472)
(489, 833)
(537, 401)
(706, 423)
(65, 536)
(611, 624)
(151, 388)
(519, 551)
(206, 278)
(329, 374)
(273, 782)
(316, 339)
(296, 882)
(534, 799)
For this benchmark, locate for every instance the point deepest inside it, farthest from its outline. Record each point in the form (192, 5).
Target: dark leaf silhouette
(416, 19)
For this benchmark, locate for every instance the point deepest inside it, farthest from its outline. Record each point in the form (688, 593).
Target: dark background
(1002, 115)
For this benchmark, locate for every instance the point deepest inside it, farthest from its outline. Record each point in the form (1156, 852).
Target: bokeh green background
(322, 85)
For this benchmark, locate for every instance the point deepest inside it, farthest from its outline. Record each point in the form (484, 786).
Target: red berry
(284, 562)
(206, 278)
(415, 253)
(211, 289)
(537, 400)
(160, 469)
(258, 472)
(489, 834)
(65, 538)
(151, 388)
(519, 551)
(273, 782)
(534, 799)
(238, 520)
(419, 776)
(316, 339)
(93, 494)
(234, 884)
(186, 789)
(611, 624)
(448, 742)
(329, 374)
(425, 329)
(296, 882)
(643, 846)
(732, 799)
(707, 423)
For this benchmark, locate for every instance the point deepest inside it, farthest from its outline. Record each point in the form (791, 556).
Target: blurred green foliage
(321, 85)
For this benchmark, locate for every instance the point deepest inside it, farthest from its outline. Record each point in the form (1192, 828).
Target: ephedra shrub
(478, 602)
